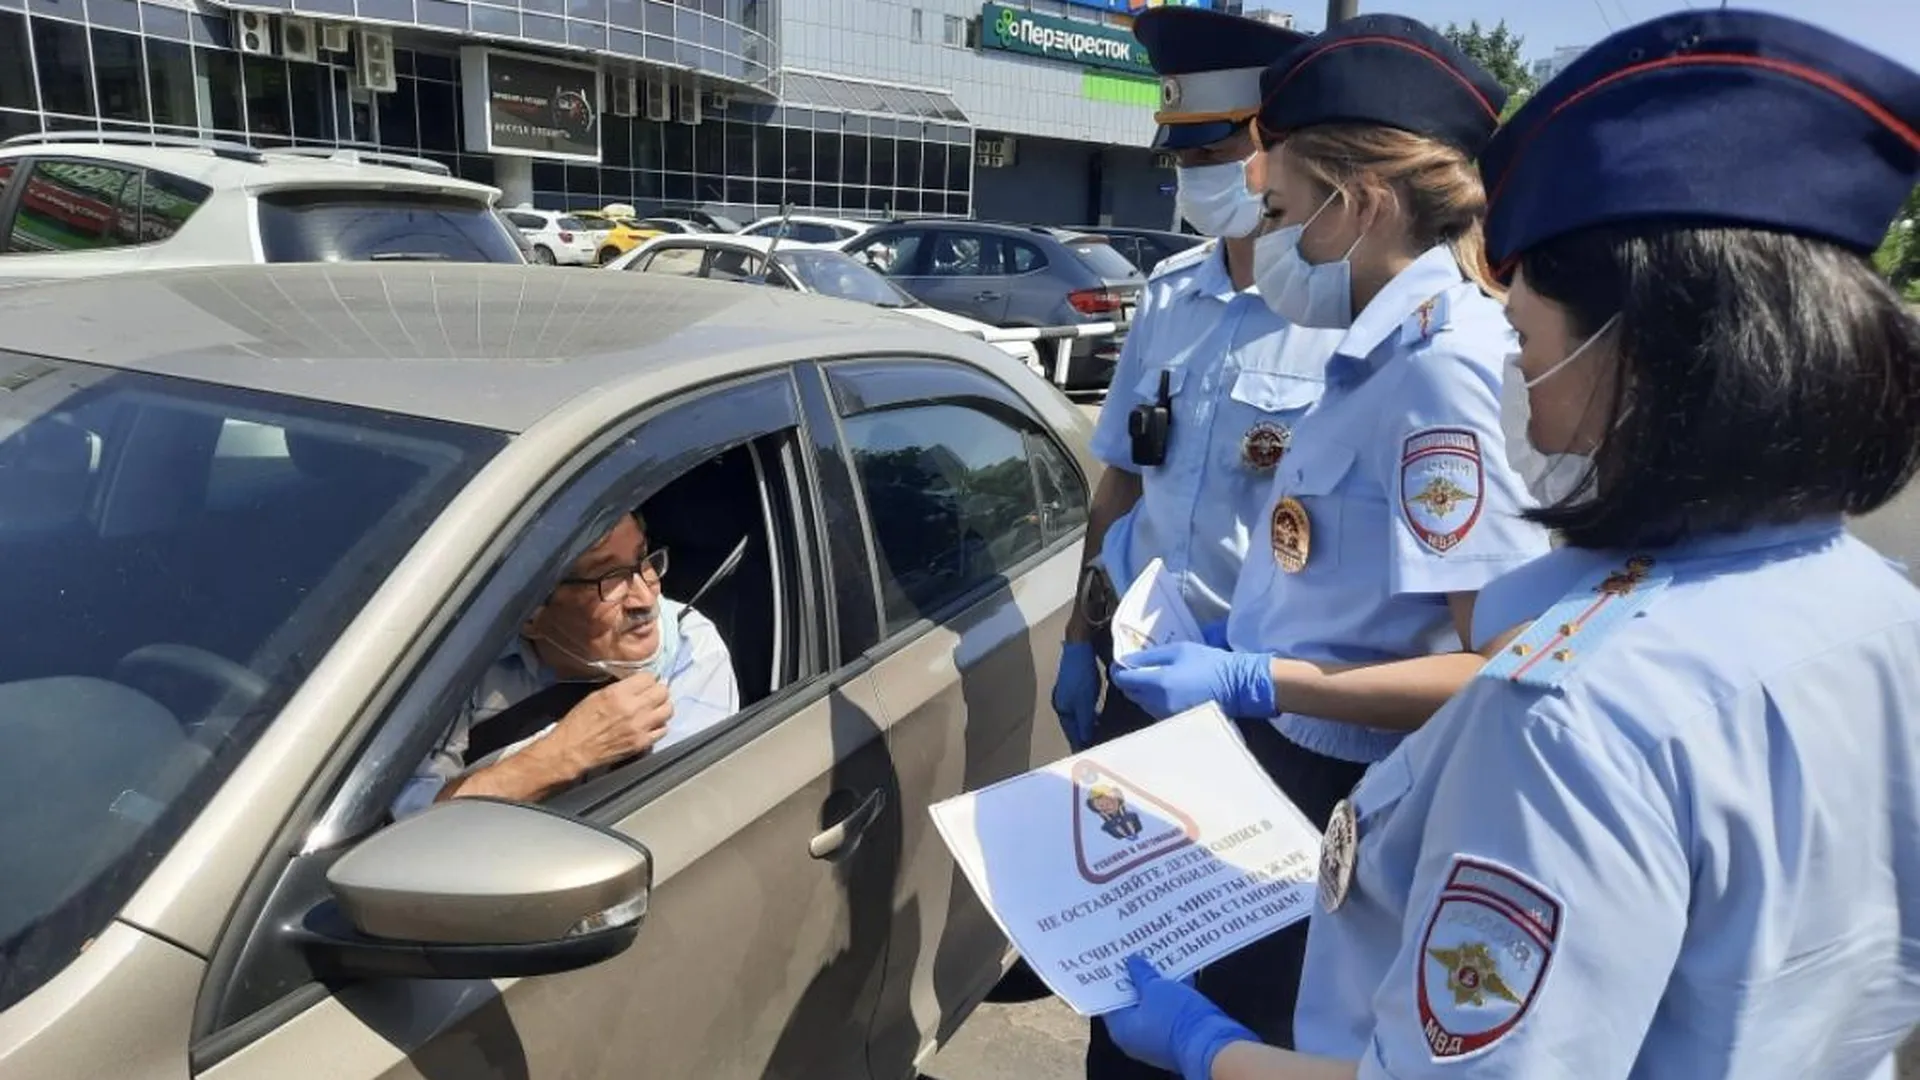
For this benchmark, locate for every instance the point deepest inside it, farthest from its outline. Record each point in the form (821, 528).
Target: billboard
(530, 106)
(1087, 44)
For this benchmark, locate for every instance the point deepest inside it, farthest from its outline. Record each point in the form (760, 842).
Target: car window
(809, 232)
(1100, 257)
(730, 265)
(574, 224)
(528, 221)
(1024, 258)
(1063, 493)
(965, 255)
(166, 202)
(189, 553)
(832, 273)
(69, 206)
(951, 497)
(359, 226)
(893, 253)
(684, 261)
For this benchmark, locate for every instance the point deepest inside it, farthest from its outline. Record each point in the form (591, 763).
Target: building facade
(1030, 110)
(1545, 68)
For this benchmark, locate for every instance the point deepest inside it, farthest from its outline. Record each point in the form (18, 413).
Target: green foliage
(1497, 50)
(1899, 254)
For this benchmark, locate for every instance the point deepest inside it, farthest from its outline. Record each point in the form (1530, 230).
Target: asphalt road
(1044, 1040)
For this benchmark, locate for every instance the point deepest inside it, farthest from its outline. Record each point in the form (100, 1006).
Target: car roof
(812, 219)
(733, 240)
(257, 170)
(488, 345)
(1005, 228)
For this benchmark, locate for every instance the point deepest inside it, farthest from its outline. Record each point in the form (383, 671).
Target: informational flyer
(1151, 613)
(1171, 842)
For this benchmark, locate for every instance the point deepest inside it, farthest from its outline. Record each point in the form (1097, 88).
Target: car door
(774, 836)
(975, 515)
(964, 272)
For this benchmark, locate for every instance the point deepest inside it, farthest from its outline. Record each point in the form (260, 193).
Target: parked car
(80, 204)
(271, 541)
(559, 238)
(803, 268)
(620, 232)
(1145, 248)
(711, 220)
(1013, 275)
(668, 226)
(808, 229)
(519, 238)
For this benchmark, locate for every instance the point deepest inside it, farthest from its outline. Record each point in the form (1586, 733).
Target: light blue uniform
(1403, 475)
(1681, 842)
(1233, 366)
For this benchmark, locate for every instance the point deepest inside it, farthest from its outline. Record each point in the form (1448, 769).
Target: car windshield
(1100, 257)
(361, 226)
(832, 273)
(188, 553)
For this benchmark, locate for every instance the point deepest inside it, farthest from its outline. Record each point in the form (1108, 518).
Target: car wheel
(606, 255)
(543, 255)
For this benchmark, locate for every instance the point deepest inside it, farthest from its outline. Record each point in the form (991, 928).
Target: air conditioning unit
(336, 37)
(687, 105)
(373, 62)
(715, 101)
(253, 33)
(296, 39)
(623, 95)
(658, 106)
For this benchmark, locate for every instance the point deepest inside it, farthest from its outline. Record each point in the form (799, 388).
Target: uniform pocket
(1273, 392)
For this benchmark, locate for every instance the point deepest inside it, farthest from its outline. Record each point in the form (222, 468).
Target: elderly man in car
(605, 670)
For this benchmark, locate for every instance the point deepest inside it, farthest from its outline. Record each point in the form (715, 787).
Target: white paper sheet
(1151, 613)
(1170, 842)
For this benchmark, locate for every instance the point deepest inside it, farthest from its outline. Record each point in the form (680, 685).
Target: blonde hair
(1437, 186)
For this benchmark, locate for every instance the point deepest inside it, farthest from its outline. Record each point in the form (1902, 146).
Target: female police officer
(1210, 381)
(1673, 829)
(1350, 620)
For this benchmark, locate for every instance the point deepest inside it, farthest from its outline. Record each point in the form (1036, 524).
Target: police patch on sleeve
(1443, 483)
(1483, 957)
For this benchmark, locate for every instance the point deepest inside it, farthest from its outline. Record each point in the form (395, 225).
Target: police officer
(1673, 829)
(1210, 381)
(1351, 618)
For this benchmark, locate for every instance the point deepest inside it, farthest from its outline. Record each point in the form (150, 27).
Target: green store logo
(1004, 26)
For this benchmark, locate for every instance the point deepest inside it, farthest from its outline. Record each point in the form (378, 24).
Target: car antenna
(766, 262)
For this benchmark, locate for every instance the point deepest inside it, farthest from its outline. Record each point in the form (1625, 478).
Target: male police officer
(1209, 384)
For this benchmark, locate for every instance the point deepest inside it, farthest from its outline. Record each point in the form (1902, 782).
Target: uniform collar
(1210, 277)
(1760, 538)
(1433, 273)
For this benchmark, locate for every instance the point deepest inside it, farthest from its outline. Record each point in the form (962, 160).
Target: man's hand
(1171, 679)
(612, 724)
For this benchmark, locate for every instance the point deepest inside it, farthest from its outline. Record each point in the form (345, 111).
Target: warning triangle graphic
(1118, 827)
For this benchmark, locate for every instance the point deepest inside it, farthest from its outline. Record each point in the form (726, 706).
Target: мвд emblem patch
(1484, 956)
(1443, 483)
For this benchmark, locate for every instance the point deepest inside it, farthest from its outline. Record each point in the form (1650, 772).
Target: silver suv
(80, 204)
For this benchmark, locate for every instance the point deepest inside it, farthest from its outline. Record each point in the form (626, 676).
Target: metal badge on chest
(1292, 535)
(1264, 444)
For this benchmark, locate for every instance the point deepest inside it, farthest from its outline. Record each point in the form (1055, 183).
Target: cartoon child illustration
(1115, 819)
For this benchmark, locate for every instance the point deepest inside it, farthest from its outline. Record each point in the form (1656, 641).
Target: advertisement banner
(1087, 44)
(531, 107)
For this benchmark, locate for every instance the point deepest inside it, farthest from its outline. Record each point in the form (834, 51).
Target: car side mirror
(478, 889)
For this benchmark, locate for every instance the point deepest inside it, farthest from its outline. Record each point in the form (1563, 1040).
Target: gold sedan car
(259, 557)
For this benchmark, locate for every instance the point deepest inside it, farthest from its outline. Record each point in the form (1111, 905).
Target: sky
(1891, 27)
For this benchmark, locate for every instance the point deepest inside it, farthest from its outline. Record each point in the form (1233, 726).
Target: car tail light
(1096, 301)
(566, 237)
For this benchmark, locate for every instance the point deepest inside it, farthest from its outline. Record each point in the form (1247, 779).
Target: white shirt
(701, 687)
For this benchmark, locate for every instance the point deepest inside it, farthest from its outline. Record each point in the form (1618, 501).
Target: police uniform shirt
(1662, 836)
(701, 686)
(1239, 377)
(1400, 481)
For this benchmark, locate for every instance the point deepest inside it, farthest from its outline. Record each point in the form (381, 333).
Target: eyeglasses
(613, 584)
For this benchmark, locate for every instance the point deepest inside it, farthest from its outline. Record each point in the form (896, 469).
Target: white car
(93, 203)
(803, 267)
(809, 229)
(558, 238)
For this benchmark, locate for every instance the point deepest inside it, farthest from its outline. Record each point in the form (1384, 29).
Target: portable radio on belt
(1148, 425)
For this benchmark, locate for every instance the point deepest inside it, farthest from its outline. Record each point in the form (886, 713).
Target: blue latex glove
(1172, 1026)
(1168, 679)
(1076, 693)
(1215, 634)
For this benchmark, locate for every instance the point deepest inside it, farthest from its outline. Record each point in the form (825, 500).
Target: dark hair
(1765, 379)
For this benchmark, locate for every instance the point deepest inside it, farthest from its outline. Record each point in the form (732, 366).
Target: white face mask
(1550, 478)
(1214, 199)
(1305, 294)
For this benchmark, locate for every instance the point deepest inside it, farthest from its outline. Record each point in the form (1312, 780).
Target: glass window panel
(549, 176)
(477, 168)
(657, 18)
(769, 154)
(583, 180)
(120, 80)
(933, 171)
(853, 159)
(312, 102)
(799, 196)
(906, 201)
(616, 139)
(18, 123)
(956, 205)
(69, 206)
(399, 125)
(866, 97)
(646, 146)
(60, 52)
(434, 66)
(739, 138)
(646, 185)
(880, 162)
(679, 147)
(709, 149)
(959, 170)
(269, 112)
(739, 189)
(826, 157)
(170, 82)
(222, 95)
(906, 166)
(439, 116)
(16, 79)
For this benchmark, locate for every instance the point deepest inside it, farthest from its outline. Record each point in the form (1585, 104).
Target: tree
(1899, 254)
(1497, 50)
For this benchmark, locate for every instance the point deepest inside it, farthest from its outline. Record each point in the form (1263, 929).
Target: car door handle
(849, 829)
(985, 296)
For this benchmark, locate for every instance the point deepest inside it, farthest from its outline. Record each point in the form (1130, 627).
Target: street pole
(1340, 10)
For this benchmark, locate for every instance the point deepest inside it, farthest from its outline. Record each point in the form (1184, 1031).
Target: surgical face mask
(1550, 478)
(1305, 294)
(667, 623)
(1214, 199)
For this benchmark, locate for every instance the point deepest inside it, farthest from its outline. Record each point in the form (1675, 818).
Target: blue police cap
(1388, 70)
(1709, 117)
(1209, 65)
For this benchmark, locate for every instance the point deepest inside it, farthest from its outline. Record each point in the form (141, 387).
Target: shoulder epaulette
(1578, 624)
(1181, 260)
(1427, 320)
